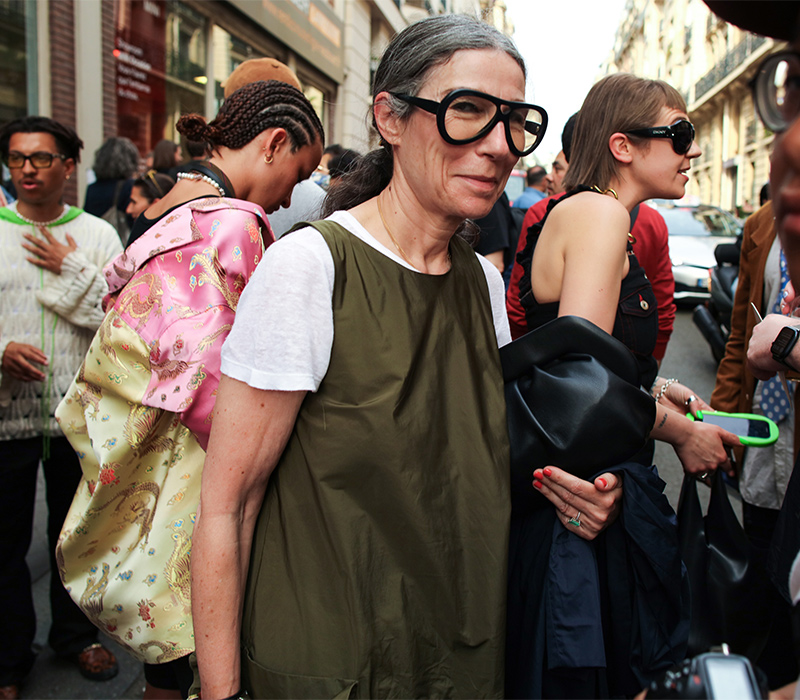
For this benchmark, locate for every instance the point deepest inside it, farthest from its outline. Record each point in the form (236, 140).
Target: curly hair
(251, 110)
(116, 159)
(68, 142)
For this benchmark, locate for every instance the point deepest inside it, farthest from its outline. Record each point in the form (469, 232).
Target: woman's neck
(398, 222)
(628, 195)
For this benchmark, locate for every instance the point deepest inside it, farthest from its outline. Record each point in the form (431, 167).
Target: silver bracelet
(664, 387)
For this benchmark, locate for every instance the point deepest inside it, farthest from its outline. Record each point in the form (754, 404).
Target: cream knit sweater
(57, 313)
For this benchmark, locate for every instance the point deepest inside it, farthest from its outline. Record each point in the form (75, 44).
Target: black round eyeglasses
(465, 116)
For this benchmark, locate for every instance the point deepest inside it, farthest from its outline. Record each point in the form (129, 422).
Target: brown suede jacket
(735, 385)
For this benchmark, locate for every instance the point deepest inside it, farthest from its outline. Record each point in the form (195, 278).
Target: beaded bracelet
(664, 387)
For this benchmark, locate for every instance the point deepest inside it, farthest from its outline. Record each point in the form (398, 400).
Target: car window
(699, 221)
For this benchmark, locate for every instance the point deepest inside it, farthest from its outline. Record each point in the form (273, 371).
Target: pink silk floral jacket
(139, 415)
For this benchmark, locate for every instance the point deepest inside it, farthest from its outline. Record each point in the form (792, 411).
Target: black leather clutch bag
(573, 401)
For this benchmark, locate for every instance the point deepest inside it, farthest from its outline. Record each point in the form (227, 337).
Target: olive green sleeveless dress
(379, 560)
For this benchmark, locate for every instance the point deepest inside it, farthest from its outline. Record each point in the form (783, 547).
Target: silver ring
(690, 399)
(704, 475)
(576, 521)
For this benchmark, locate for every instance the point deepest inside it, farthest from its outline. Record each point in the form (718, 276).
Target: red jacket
(652, 252)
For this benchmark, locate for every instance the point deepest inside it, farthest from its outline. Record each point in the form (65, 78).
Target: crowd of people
(281, 468)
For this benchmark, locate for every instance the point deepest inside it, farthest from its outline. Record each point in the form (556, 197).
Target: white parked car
(694, 232)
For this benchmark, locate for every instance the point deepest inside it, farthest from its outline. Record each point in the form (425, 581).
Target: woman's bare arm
(594, 233)
(248, 435)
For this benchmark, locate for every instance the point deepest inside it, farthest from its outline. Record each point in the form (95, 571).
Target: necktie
(774, 401)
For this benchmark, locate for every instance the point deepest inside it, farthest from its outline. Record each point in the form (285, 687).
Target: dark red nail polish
(537, 484)
(603, 481)
(547, 471)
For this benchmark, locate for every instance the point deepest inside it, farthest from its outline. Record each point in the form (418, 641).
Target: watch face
(784, 343)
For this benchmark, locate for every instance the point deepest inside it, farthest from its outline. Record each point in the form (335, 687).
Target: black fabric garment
(70, 631)
(142, 223)
(786, 538)
(100, 196)
(778, 659)
(172, 675)
(185, 168)
(497, 228)
(637, 572)
(636, 322)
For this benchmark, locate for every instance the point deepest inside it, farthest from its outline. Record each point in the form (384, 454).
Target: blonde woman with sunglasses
(633, 141)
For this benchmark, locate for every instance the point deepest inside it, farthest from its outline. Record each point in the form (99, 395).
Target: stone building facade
(131, 67)
(711, 63)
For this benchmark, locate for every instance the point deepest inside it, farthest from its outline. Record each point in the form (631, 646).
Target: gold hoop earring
(268, 159)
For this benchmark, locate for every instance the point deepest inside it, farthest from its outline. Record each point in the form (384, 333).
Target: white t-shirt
(283, 333)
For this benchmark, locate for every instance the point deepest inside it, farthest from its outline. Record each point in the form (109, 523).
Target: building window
(228, 52)
(317, 99)
(14, 59)
(187, 50)
(160, 51)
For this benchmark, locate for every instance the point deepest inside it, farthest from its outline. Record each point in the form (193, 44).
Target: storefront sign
(139, 52)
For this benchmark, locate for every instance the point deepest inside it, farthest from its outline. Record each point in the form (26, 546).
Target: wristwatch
(783, 344)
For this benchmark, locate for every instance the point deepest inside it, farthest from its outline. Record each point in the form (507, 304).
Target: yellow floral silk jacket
(139, 415)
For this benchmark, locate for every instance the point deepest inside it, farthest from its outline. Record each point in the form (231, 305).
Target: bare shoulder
(592, 215)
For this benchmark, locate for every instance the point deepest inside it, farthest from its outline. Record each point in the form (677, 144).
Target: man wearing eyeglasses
(51, 290)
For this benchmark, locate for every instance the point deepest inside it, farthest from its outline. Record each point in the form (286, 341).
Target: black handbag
(573, 401)
(729, 591)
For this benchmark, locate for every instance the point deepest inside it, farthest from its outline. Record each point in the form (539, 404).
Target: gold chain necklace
(394, 240)
(596, 188)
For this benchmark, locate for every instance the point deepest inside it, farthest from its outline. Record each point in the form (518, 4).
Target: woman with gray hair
(115, 164)
(353, 529)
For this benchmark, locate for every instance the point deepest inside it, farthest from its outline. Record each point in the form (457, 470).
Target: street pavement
(688, 358)
(52, 677)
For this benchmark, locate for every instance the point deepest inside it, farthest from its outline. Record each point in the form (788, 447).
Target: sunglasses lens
(777, 91)
(15, 160)
(682, 137)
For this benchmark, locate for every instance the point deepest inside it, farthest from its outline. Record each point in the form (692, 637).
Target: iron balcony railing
(732, 60)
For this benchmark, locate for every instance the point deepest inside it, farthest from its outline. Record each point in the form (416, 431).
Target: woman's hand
(593, 505)
(703, 449)
(681, 398)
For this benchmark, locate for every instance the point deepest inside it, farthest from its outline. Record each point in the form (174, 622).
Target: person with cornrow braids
(139, 411)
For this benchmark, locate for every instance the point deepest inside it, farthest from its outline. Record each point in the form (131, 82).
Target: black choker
(213, 173)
